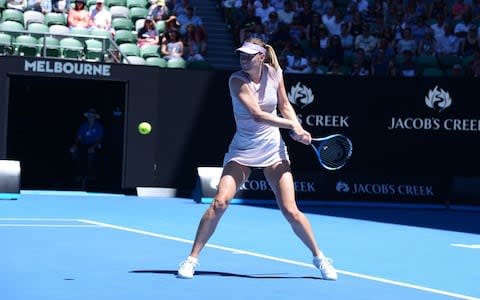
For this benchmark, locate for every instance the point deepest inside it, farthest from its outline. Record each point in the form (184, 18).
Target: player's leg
(280, 178)
(232, 178)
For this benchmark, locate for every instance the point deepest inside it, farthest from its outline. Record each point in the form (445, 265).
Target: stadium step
(220, 52)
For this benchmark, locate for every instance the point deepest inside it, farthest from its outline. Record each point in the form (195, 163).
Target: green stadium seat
(6, 44)
(129, 49)
(80, 33)
(147, 51)
(138, 13)
(122, 24)
(71, 48)
(199, 65)
(120, 12)
(433, 72)
(32, 16)
(94, 50)
(11, 14)
(49, 46)
(125, 36)
(3, 4)
(447, 61)
(26, 45)
(110, 3)
(136, 3)
(176, 63)
(466, 60)
(10, 26)
(134, 60)
(160, 25)
(156, 61)
(427, 61)
(36, 29)
(55, 19)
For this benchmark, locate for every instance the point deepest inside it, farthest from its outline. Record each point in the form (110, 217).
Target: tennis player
(257, 90)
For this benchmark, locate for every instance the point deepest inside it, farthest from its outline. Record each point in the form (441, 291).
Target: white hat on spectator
(92, 112)
(100, 1)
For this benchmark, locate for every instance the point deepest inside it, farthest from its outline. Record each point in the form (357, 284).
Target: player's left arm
(287, 111)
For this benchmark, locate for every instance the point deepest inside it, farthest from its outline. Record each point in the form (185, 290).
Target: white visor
(251, 48)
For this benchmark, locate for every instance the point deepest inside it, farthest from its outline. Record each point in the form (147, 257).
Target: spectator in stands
(148, 34)
(172, 24)
(264, 10)
(356, 25)
(61, 6)
(258, 33)
(281, 40)
(335, 69)
(476, 10)
(458, 9)
(471, 43)
(197, 47)
(20, 5)
(407, 42)
(334, 51)
(286, 14)
(457, 70)
(43, 6)
(347, 40)
(84, 150)
(362, 5)
(366, 41)
(408, 68)
(381, 66)
(314, 50)
(173, 47)
(398, 26)
(379, 26)
(297, 62)
(100, 17)
(297, 30)
(306, 13)
(369, 16)
(362, 61)
(316, 67)
(271, 26)
(328, 18)
(180, 7)
(438, 7)
(419, 29)
(427, 45)
(449, 44)
(158, 10)
(78, 16)
(421, 8)
(314, 27)
(473, 69)
(321, 6)
(248, 23)
(189, 18)
(462, 27)
(438, 26)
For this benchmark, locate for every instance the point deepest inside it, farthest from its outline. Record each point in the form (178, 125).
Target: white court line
(293, 262)
(45, 225)
(36, 219)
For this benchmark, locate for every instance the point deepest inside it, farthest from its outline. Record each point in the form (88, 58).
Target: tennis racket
(332, 151)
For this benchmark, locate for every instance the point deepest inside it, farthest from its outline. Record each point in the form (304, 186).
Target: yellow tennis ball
(144, 128)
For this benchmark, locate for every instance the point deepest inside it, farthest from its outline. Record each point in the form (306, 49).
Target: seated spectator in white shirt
(100, 17)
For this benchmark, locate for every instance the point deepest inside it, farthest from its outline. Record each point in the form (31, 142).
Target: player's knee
(292, 216)
(220, 204)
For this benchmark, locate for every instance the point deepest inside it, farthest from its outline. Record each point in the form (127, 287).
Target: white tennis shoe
(325, 266)
(187, 268)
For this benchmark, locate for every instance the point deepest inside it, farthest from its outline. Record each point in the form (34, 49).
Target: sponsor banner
(66, 67)
(327, 186)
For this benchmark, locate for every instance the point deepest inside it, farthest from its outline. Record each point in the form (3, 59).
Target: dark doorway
(44, 116)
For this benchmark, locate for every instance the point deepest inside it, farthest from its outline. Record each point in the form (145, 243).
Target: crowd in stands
(169, 27)
(404, 38)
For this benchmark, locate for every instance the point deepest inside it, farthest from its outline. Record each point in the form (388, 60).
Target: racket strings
(334, 153)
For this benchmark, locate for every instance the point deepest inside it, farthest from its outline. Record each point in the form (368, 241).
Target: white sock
(192, 259)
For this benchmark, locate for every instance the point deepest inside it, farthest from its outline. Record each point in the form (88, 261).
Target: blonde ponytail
(270, 55)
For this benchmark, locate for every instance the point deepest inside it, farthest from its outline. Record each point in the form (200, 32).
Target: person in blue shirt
(85, 148)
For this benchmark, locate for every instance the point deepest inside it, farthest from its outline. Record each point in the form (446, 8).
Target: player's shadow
(212, 273)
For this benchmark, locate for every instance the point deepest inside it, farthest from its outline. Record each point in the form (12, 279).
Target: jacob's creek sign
(438, 100)
(62, 67)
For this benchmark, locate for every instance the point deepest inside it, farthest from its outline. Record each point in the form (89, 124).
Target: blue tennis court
(61, 245)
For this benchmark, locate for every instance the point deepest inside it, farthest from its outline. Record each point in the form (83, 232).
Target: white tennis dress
(256, 144)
